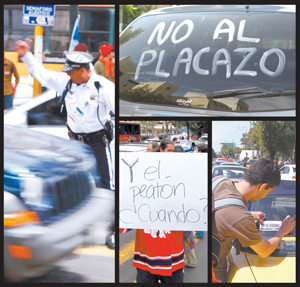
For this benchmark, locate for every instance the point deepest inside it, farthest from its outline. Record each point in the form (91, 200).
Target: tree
(199, 127)
(130, 12)
(147, 127)
(228, 151)
(213, 153)
(245, 141)
(178, 124)
(276, 137)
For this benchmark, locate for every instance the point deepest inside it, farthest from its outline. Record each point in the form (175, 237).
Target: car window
(47, 113)
(277, 207)
(234, 173)
(230, 172)
(210, 60)
(278, 204)
(285, 170)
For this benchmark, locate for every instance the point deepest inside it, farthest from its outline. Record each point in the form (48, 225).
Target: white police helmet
(76, 60)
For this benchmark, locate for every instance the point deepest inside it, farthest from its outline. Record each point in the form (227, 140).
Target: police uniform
(87, 107)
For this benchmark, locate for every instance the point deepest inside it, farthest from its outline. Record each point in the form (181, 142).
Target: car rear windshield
(226, 61)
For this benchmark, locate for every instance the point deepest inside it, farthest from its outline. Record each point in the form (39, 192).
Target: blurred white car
(288, 172)
(42, 113)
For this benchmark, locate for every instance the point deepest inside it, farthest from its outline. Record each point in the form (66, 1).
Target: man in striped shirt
(159, 254)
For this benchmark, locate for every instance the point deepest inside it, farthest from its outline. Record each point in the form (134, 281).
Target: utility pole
(74, 12)
(120, 18)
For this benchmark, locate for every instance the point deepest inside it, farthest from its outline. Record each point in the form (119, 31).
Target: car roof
(132, 147)
(222, 8)
(231, 167)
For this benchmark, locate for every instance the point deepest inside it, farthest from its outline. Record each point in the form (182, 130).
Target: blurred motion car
(234, 173)
(288, 172)
(42, 114)
(209, 60)
(50, 200)
(279, 267)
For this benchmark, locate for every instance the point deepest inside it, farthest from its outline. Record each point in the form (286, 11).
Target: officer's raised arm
(48, 78)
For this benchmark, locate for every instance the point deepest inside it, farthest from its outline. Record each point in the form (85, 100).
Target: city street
(127, 272)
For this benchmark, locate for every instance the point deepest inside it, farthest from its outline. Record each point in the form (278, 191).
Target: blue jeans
(8, 102)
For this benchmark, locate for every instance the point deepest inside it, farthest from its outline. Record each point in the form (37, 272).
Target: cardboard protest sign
(163, 191)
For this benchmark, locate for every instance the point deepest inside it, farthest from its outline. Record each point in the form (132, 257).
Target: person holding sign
(159, 254)
(237, 222)
(167, 146)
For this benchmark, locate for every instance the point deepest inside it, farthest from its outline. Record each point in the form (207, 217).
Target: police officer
(87, 97)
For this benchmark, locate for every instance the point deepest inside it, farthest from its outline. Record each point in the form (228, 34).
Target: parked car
(220, 158)
(209, 60)
(288, 172)
(50, 200)
(203, 138)
(219, 162)
(234, 173)
(152, 140)
(189, 145)
(279, 267)
(133, 147)
(249, 162)
(230, 163)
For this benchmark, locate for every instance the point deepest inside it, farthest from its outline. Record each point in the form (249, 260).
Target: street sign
(42, 15)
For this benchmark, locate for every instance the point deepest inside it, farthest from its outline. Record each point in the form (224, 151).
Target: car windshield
(233, 61)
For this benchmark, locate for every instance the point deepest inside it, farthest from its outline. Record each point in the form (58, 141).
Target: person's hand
(287, 225)
(259, 216)
(22, 47)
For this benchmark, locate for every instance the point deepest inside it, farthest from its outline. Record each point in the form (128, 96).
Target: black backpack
(216, 205)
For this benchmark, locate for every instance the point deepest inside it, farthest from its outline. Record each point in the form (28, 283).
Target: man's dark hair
(178, 148)
(263, 171)
(202, 147)
(174, 139)
(164, 143)
(155, 147)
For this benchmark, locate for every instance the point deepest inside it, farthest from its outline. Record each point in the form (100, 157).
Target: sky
(228, 131)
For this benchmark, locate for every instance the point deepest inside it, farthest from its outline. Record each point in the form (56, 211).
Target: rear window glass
(277, 207)
(229, 62)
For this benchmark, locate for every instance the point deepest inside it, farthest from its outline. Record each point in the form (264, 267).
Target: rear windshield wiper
(249, 93)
